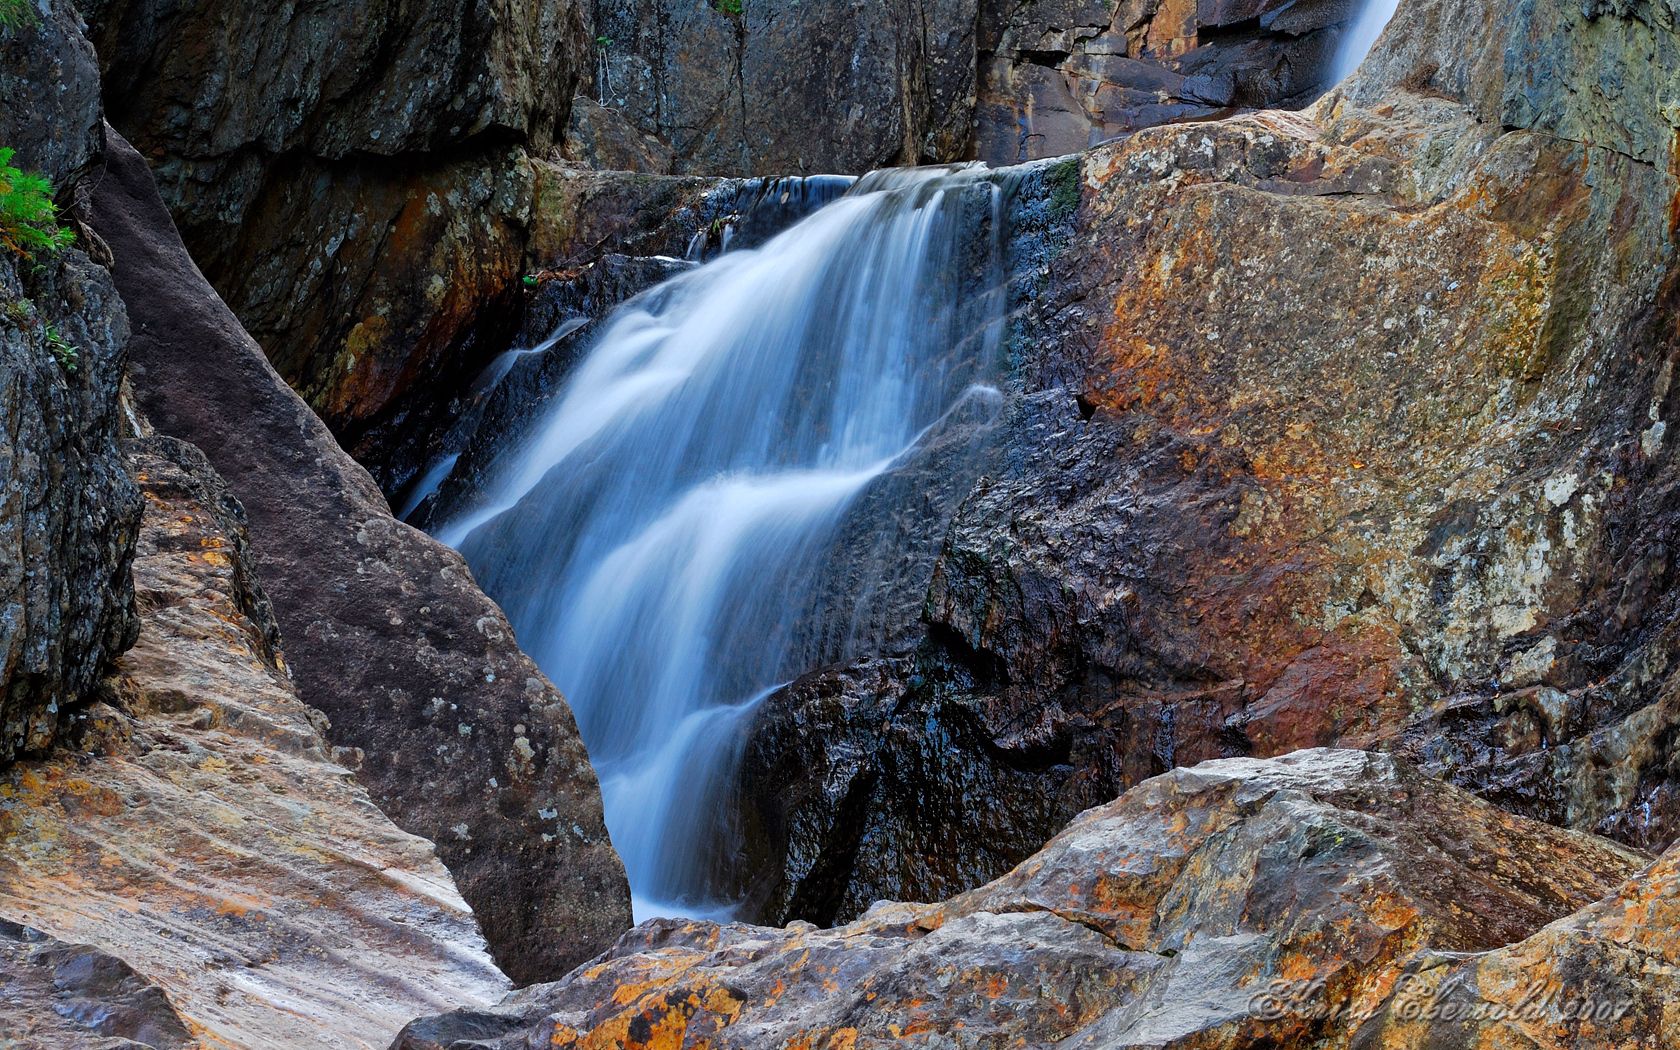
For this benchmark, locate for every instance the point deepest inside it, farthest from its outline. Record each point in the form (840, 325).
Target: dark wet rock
(1061, 76)
(49, 77)
(1346, 428)
(76, 997)
(220, 877)
(1173, 917)
(465, 741)
(774, 89)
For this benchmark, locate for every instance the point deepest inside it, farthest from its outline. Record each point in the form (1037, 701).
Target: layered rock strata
(198, 869)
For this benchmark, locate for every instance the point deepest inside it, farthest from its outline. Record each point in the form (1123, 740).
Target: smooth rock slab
(207, 836)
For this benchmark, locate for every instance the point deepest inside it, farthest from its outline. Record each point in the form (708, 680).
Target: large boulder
(198, 869)
(1347, 428)
(1237, 904)
(466, 742)
(68, 511)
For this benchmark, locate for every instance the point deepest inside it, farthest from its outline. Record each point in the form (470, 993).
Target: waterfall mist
(1361, 36)
(667, 540)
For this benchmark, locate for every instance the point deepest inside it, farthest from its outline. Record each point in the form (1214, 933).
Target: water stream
(663, 542)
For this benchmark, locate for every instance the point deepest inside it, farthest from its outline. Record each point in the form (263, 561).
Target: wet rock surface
(198, 869)
(1344, 428)
(465, 741)
(1165, 918)
(1059, 77)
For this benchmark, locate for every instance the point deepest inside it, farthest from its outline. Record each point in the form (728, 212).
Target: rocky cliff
(1341, 428)
(68, 511)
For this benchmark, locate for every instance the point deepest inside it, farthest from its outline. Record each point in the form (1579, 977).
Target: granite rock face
(1240, 903)
(466, 742)
(1061, 76)
(68, 510)
(197, 869)
(351, 178)
(1344, 428)
(824, 86)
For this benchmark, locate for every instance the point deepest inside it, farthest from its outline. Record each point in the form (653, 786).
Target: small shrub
(62, 349)
(729, 7)
(28, 217)
(14, 13)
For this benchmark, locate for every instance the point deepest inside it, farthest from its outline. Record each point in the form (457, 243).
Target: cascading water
(661, 542)
(1362, 35)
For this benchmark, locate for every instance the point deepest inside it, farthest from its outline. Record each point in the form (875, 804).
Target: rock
(224, 880)
(49, 76)
(353, 179)
(1177, 916)
(68, 511)
(1608, 975)
(465, 741)
(876, 85)
(1059, 77)
(1346, 428)
(599, 138)
(76, 997)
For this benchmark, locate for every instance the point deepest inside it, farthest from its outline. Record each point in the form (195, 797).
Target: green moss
(729, 7)
(28, 217)
(1063, 181)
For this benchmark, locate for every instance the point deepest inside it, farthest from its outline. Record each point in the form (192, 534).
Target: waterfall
(664, 540)
(1362, 35)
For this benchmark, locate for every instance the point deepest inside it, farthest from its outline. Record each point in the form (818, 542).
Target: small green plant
(1063, 180)
(28, 218)
(603, 41)
(61, 349)
(14, 13)
(729, 7)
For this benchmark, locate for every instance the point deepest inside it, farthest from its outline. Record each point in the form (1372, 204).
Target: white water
(1362, 36)
(659, 543)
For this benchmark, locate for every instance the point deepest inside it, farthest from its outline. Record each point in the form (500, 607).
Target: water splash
(662, 542)
(1361, 36)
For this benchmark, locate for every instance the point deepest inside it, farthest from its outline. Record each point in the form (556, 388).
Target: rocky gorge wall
(1346, 428)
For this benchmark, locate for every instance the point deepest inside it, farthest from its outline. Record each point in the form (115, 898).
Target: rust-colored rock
(1180, 915)
(1349, 427)
(229, 883)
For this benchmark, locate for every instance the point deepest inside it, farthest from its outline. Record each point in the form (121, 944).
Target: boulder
(466, 742)
(1240, 903)
(198, 867)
